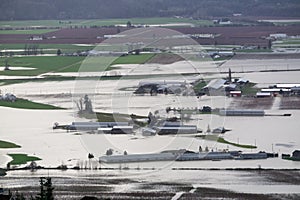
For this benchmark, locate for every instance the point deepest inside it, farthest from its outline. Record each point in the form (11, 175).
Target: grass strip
(6, 145)
(246, 146)
(26, 104)
(222, 140)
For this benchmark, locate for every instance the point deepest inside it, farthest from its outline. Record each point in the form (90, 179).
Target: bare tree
(84, 105)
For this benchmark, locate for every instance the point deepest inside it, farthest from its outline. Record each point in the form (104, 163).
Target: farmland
(40, 64)
(224, 35)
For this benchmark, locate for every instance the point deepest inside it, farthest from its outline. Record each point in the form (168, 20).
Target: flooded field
(271, 133)
(73, 184)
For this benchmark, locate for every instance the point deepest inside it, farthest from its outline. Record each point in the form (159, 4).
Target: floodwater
(56, 147)
(130, 180)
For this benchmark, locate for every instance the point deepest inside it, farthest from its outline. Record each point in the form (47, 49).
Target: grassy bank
(246, 146)
(222, 140)
(26, 104)
(19, 159)
(6, 145)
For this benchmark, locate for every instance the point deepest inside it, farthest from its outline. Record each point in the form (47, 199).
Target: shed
(235, 93)
(296, 154)
(263, 94)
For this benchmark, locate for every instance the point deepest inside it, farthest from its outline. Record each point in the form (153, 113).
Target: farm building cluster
(185, 155)
(287, 89)
(8, 97)
(164, 87)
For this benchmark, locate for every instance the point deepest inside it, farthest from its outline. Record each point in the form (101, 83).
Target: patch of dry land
(165, 58)
(290, 103)
(251, 103)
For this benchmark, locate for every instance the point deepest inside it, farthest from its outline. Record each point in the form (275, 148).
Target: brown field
(252, 103)
(288, 103)
(165, 58)
(240, 35)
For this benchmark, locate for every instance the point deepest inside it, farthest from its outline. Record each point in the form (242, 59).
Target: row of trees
(32, 49)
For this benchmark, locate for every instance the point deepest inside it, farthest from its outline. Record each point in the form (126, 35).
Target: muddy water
(159, 181)
(32, 130)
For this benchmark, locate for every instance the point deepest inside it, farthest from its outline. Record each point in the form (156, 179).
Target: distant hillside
(91, 9)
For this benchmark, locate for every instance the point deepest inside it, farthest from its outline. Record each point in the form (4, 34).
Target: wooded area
(92, 9)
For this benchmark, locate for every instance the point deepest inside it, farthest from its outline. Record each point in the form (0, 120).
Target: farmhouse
(215, 87)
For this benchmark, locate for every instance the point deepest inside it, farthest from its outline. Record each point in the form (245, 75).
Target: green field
(102, 22)
(33, 31)
(19, 159)
(42, 64)
(6, 145)
(133, 59)
(26, 104)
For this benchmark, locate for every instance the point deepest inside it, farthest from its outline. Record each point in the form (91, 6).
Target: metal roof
(216, 84)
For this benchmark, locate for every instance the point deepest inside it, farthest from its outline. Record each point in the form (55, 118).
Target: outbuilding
(235, 93)
(263, 94)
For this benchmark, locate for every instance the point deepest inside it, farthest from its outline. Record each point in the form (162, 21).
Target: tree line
(97, 9)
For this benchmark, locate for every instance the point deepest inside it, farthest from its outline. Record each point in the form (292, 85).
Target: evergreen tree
(46, 188)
